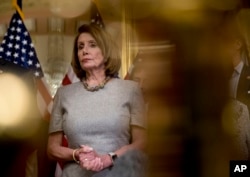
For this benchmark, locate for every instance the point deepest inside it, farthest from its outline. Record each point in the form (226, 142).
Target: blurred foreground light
(15, 100)
(182, 4)
(69, 9)
(135, 9)
(221, 4)
(182, 11)
(114, 29)
(141, 8)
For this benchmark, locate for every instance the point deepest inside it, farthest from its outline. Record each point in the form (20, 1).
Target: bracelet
(112, 161)
(73, 155)
(112, 156)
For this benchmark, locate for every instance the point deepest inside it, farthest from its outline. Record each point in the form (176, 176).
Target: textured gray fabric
(132, 164)
(241, 129)
(99, 119)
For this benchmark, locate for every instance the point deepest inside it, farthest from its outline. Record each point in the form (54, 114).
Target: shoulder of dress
(127, 84)
(69, 87)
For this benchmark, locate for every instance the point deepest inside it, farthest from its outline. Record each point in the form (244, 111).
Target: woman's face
(89, 53)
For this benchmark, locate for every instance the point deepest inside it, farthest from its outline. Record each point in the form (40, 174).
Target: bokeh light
(69, 9)
(16, 106)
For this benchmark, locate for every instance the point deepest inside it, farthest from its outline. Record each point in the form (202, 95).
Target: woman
(102, 116)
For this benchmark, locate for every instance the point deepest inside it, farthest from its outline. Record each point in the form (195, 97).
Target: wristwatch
(113, 156)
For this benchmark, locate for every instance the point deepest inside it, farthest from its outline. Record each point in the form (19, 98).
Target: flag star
(10, 45)
(23, 50)
(11, 37)
(16, 46)
(31, 54)
(37, 74)
(18, 30)
(30, 62)
(8, 53)
(24, 42)
(18, 38)
(19, 22)
(16, 55)
(38, 65)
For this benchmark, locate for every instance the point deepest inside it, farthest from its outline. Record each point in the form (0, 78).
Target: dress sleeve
(138, 111)
(56, 120)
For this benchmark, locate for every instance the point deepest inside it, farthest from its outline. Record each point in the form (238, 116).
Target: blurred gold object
(68, 9)
(17, 107)
(128, 38)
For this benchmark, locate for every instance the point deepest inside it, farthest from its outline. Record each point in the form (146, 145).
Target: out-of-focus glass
(56, 65)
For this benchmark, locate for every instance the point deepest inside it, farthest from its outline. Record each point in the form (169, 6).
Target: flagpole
(17, 4)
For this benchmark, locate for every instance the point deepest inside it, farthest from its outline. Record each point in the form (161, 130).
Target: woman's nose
(85, 50)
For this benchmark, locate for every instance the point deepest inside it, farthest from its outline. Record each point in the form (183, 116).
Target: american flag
(96, 17)
(18, 48)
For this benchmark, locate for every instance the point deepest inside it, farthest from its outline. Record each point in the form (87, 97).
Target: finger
(83, 161)
(82, 164)
(93, 164)
(86, 164)
(81, 157)
(89, 156)
(97, 164)
(86, 148)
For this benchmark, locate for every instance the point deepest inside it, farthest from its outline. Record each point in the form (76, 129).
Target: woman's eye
(80, 47)
(93, 45)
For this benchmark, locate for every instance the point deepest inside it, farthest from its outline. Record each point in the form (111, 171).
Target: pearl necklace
(95, 88)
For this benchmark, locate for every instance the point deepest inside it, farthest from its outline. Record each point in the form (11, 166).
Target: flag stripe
(43, 107)
(44, 91)
(70, 77)
(66, 80)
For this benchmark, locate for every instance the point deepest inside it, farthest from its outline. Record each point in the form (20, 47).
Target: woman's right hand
(86, 153)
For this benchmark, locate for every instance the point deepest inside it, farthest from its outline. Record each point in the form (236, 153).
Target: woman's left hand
(89, 159)
(93, 165)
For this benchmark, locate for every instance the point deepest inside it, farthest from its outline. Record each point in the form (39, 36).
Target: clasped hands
(91, 160)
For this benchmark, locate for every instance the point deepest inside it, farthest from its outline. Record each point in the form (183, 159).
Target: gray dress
(99, 119)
